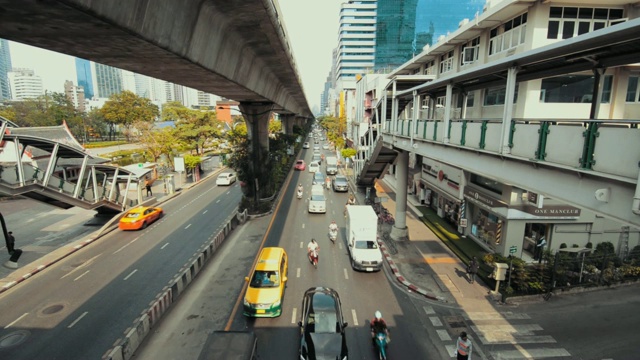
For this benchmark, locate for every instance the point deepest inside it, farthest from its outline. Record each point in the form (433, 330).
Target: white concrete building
(75, 94)
(25, 84)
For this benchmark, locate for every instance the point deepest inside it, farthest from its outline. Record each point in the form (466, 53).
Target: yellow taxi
(266, 285)
(140, 217)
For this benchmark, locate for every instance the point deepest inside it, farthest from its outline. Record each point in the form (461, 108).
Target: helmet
(378, 315)
(313, 240)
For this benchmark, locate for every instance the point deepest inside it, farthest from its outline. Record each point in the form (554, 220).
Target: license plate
(369, 269)
(260, 311)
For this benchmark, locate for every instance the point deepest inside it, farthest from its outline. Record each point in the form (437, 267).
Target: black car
(322, 326)
(339, 183)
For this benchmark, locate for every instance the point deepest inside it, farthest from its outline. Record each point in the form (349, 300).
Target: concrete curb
(401, 279)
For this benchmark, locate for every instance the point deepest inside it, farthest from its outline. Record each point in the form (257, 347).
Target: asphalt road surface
(80, 306)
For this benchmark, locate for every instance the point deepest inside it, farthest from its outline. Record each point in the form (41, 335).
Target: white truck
(362, 238)
(332, 165)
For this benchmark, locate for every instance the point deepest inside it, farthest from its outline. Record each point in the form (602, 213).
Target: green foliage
(605, 248)
(348, 153)
(101, 144)
(275, 126)
(335, 127)
(634, 254)
(127, 108)
(190, 161)
(8, 113)
(563, 246)
(196, 128)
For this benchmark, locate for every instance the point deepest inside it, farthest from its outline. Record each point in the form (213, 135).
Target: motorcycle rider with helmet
(378, 325)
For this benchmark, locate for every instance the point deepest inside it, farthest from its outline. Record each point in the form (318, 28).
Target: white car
(226, 179)
(325, 146)
(314, 167)
(305, 145)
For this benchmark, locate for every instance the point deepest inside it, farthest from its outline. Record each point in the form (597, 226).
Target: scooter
(313, 258)
(333, 235)
(380, 344)
(299, 194)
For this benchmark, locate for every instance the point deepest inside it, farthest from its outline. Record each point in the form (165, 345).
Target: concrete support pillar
(257, 117)
(447, 113)
(399, 231)
(288, 120)
(510, 92)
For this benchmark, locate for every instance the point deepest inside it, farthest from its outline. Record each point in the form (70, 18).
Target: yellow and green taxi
(266, 285)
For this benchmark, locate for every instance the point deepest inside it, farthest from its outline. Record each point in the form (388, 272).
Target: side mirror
(300, 323)
(246, 278)
(345, 325)
(284, 279)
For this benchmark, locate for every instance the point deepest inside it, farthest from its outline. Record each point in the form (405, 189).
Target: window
(496, 96)
(632, 89)
(430, 68)
(470, 98)
(469, 52)
(508, 35)
(446, 62)
(573, 89)
(573, 21)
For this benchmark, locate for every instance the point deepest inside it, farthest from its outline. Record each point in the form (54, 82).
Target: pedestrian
(147, 185)
(11, 242)
(463, 347)
(539, 248)
(472, 269)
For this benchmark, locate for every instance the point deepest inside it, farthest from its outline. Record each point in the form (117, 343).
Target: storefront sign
(483, 198)
(463, 223)
(550, 211)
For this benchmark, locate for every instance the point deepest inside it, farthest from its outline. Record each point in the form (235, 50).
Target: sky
(312, 28)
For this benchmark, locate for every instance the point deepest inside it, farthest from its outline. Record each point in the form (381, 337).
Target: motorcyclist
(313, 246)
(300, 188)
(333, 226)
(378, 325)
(352, 200)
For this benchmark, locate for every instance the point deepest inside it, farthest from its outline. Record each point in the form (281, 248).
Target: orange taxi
(140, 217)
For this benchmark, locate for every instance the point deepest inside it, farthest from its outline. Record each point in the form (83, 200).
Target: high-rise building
(25, 84)
(108, 80)
(5, 67)
(75, 94)
(356, 41)
(85, 79)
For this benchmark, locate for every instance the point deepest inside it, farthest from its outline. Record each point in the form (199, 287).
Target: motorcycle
(380, 343)
(299, 194)
(313, 258)
(333, 235)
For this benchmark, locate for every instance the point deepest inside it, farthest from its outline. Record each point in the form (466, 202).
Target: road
(184, 330)
(81, 305)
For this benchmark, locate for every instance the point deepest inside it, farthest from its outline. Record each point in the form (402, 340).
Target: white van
(317, 201)
(314, 167)
(362, 238)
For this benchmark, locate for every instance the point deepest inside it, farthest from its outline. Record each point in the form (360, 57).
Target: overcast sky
(312, 26)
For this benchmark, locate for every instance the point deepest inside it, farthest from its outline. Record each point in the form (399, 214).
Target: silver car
(340, 183)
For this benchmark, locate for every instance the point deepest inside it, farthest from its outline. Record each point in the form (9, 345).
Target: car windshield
(133, 215)
(323, 321)
(265, 279)
(318, 198)
(300, 162)
(318, 177)
(366, 245)
(223, 176)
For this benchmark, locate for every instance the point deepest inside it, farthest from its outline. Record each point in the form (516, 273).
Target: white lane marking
(340, 245)
(443, 335)
(301, 244)
(303, 225)
(355, 317)
(218, 201)
(78, 319)
(429, 310)
(122, 248)
(133, 272)
(435, 321)
(188, 226)
(346, 275)
(83, 274)
(164, 246)
(293, 316)
(205, 212)
(298, 272)
(16, 320)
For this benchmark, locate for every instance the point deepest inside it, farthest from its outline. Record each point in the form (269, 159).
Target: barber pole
(463, 211)
(499, 232)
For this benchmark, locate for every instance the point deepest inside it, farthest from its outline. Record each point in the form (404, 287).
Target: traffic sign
(513, 249)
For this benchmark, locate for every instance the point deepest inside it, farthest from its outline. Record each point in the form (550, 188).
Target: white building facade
(25, 84)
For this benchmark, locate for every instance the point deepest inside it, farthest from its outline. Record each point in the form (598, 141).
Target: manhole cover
(52, 309)
(13, 339)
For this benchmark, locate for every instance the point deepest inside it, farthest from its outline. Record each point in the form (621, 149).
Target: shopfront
(486, 217)
(439, 189)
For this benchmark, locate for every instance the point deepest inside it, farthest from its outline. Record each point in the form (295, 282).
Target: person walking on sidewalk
(472, 269)
(11, 242)
(147, 185)
(463, 347)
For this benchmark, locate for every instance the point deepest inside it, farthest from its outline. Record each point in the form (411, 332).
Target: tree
(8, 112)
(198, 128)
(155, 141)
(275, 126)
(126, 108)
(174, 111)
(335, 128)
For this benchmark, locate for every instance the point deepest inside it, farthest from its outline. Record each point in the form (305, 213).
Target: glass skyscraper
(109, 80)
(83, 72)
(5, 67)
(404, 27)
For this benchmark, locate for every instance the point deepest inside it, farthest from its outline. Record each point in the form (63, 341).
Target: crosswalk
(499, 335)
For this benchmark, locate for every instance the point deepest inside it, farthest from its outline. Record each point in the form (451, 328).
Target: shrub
(563, 246)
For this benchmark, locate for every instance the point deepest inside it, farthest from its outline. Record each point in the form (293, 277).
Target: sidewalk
(424, 264)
